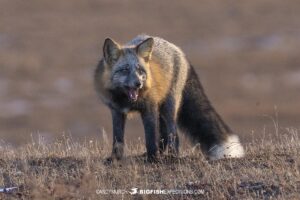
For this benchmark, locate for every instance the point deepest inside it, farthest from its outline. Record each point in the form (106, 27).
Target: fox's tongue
(133, 94)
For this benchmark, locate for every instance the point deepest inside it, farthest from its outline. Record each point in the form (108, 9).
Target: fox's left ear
(144, 49)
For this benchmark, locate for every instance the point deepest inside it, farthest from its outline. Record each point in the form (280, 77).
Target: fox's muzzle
(133, 94)
(133, 90)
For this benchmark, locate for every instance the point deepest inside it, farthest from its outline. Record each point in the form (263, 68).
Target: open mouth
(133, 94)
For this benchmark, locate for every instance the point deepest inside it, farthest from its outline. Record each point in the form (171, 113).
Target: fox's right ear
(111, 51)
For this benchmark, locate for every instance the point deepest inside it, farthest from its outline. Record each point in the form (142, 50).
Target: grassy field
(70, 170)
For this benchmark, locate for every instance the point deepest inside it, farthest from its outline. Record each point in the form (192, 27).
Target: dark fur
(198, 118)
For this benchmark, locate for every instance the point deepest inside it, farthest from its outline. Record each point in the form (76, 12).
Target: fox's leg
(118, 134)
(169, 114)
(150, 120)
(163, 138)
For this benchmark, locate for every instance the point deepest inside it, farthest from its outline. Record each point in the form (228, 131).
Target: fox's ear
(111, 51)
(144, 49)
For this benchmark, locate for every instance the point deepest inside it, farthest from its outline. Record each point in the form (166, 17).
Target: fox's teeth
(133, 94)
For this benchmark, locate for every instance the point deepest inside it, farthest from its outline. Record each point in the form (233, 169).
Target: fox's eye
(140, 69)
(124, 70)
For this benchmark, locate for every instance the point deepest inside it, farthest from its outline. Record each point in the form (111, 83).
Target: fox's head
(128, 66)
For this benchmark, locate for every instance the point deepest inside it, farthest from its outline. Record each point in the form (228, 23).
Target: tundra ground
(71, 170)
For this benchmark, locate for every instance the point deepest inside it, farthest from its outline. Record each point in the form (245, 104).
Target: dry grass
(70, 170)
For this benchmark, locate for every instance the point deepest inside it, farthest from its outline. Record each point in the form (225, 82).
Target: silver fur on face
(128, 74)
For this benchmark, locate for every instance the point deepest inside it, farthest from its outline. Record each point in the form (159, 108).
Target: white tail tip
(231, 148)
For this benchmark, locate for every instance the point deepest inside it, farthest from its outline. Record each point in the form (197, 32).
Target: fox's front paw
(173, 151)
(152, 158)
(117, 152)
(108, 161)
(143, 155)
(112, 159)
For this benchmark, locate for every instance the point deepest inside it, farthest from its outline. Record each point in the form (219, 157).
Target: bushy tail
(201, 122)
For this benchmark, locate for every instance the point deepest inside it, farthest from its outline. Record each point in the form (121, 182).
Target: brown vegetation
(69, 170)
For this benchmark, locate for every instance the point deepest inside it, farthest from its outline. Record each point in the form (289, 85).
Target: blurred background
(245, 52)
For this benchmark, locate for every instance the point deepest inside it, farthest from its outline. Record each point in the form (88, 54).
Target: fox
(152, 77)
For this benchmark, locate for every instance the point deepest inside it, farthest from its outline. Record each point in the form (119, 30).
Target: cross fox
(152, 76)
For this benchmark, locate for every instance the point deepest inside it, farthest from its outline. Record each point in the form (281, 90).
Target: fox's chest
(124, 105)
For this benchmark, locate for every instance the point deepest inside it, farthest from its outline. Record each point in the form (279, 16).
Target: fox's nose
(137, 84)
